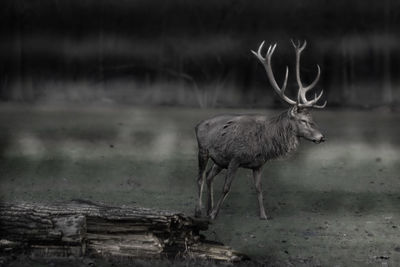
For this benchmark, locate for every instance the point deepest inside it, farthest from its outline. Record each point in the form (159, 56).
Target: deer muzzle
(319, 139)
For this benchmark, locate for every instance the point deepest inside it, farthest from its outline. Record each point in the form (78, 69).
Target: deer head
(298, 113)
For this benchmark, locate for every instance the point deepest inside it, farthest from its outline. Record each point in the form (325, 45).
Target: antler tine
(320, 106)
(285, 81)
(298, 45)
(294, 45)
(267, 65)
(316, 98)
(298, 51)
(312, 103)
(315, 80)
(260, 48)
(303, 46)
(271, 50)
(303, 90)
(258, 53)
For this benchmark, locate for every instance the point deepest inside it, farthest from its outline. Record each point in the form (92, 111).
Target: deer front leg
(210, 178)
(230, 174)
(257, 183)
(202, 158)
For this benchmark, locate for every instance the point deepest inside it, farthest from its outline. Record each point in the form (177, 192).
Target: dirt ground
(332, 204)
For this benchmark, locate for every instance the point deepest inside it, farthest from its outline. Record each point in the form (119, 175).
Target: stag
(249, 141)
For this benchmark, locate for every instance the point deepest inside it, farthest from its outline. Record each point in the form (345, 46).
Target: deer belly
(246, 160)
(221, 161)
(256, 162)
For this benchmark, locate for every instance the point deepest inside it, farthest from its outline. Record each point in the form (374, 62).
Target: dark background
(195, 53)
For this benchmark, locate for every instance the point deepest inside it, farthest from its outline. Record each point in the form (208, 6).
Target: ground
(332, 204)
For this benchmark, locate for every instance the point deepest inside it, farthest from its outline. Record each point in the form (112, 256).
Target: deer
(251, 140)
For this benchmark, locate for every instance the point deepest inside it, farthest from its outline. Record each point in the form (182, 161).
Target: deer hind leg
(257, 183)
(214, 171)
(203, 159)
(230, 175)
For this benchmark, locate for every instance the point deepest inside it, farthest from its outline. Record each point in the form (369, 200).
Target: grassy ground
(336, 203)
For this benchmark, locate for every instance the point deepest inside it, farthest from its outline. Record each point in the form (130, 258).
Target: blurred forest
(196, 53)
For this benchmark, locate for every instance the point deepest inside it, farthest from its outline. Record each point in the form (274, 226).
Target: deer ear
(293, 111)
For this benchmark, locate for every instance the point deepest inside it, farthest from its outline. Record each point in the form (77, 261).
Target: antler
(266, 61)
(301, 96)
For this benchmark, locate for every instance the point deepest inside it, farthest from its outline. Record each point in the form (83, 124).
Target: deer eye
(304, 121)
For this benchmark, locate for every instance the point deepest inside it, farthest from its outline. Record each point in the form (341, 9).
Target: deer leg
(210, 178)
(203, 158)
(230, 174)
(257, 183)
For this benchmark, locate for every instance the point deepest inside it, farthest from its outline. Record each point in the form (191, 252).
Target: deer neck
(280, 137)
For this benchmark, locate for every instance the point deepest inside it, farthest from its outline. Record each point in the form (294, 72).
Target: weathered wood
(212, 250)
(137, 245)
(85, 228)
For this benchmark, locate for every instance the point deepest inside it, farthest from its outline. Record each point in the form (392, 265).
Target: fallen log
(82, 228)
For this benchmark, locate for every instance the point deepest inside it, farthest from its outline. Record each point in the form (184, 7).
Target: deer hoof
(197, 212)
(209, 212)
(263, 217)
(213, 215)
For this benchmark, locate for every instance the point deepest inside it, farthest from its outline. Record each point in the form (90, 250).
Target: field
(336, 204)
